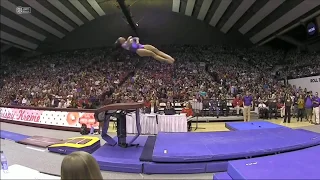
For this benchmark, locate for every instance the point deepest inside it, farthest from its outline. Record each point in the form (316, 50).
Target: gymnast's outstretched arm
(137, 40)
(129, 40)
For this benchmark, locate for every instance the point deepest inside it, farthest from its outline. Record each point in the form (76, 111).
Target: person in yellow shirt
(300, 108)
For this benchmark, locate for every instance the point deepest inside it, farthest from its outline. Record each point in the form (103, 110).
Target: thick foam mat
(115, 158)
(184, 168)
(12, 136)
(221, 176)
(211, 146)
(174, 168)
(84, 143)
(239, 126)
(302, 164)
(40, 141)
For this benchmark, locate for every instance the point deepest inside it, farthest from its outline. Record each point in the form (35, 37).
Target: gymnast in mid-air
(132, 44)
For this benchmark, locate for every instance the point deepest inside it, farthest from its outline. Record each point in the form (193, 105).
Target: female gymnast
(132, 44)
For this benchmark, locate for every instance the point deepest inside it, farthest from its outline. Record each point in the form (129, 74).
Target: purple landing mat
(12, 136)
(302, 164)
(115, 158)
(213, 146)
(184, 168)
(221, 176)
(67, 150)
(240, 126)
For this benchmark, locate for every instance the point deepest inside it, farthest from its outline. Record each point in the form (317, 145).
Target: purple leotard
(134, 47)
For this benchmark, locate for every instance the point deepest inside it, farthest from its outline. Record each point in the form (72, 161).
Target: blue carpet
(12, 136)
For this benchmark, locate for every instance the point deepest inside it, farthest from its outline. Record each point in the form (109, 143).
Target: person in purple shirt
(247, 103)
(132, 44)
(309, 106)
(315, 112)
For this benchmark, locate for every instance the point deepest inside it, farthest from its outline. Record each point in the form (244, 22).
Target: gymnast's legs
(151, 51)
(148, 53)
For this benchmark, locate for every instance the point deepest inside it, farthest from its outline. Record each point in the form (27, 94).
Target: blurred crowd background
(93, 77)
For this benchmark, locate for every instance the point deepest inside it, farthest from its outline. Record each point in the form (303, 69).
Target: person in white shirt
(263, 110)
(62, 104)
(24, 101)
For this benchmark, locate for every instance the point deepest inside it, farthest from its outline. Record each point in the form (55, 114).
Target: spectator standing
(309, 107)
(295, 105)
(300, 103)
(287, 111)
(247, 103)
(315, 101)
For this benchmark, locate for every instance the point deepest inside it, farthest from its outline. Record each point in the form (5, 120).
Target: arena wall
(311, 83)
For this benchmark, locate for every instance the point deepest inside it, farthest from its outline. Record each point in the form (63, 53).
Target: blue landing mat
(213, 146)
(302, 164)
(221, 176)
(12, 136)
(239, 126)
(115, 158)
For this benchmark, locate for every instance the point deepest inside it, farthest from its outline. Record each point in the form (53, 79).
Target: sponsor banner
(54, 118)
(311, 83)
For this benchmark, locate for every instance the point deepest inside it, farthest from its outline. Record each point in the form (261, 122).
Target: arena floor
(41, 160)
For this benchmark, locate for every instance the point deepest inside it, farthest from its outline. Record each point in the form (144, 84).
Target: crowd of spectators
(302, 64)
(87, 78)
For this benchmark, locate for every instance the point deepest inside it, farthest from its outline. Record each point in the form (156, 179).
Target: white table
(166, 123)
(20, 172)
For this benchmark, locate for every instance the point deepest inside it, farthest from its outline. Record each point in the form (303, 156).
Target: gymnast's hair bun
(117, 44)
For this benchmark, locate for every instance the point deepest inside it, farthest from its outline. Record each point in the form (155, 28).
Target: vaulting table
(119, 110)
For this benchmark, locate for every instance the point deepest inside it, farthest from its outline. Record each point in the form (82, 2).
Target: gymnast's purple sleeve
(125, 46)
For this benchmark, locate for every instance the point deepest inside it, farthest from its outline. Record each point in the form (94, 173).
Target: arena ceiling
(260, 21)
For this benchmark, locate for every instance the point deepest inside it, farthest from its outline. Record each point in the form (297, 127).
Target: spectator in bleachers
(169, 110)
(93, 72)
(154, 107)
(80, 165)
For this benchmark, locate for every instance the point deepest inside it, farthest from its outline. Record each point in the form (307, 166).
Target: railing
(68, 118)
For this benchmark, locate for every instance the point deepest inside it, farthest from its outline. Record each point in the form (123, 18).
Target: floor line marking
(36, 149)
(141, 175)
